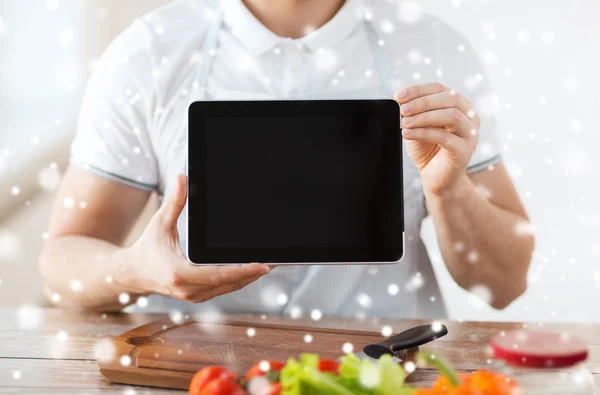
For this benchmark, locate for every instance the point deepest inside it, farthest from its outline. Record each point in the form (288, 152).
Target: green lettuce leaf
(357, 377)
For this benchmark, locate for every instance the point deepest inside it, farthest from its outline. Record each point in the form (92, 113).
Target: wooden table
(50, 351)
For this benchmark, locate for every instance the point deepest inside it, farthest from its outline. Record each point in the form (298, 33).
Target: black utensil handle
(415, 337)
(410, 338)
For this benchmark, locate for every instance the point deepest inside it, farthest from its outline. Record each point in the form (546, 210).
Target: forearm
(481, 243)
(85, 273)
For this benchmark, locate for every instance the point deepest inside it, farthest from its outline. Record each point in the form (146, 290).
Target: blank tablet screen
(295, 181)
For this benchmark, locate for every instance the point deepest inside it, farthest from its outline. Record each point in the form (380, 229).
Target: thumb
(174, 204)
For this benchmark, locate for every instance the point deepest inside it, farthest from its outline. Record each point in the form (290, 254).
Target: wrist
(460, 188)
(128, 275)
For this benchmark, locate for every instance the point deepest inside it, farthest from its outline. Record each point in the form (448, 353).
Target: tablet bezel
(203, 110)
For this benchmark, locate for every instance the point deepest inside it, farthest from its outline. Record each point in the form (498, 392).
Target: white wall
(543, 63)
(548, 118)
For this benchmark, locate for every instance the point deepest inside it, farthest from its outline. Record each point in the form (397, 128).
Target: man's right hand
(158, 265)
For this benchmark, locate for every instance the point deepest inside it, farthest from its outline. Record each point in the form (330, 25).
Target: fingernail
(402, 94)
(406, 108)
(265, 269)
(407, 132)
(407, 120)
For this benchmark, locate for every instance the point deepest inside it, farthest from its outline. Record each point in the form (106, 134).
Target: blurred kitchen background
(542, 60)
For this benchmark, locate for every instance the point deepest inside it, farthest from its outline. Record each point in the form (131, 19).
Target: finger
(444, 139)
(437, 101)
(208, 294)
(174, 204)
(452, 118)
(412, 92)
(223, 274)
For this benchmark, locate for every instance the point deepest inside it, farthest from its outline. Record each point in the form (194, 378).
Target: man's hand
(159, 266)
(442, 132)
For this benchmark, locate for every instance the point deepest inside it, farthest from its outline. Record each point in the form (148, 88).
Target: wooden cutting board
(167, 355)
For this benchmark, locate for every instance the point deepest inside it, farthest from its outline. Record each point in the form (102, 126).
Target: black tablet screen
(295, 185)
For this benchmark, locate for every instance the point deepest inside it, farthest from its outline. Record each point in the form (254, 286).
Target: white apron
(404, 290)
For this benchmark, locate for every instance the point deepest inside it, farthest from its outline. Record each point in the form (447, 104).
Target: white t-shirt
(132, 126)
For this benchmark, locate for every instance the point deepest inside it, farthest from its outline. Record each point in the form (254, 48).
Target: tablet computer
(295, 182)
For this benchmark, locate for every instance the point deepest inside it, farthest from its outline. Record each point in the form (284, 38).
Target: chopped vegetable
(361, 377)
(263, 368)
(222, 387)
(207, 375)
(327, 365)
(481, 382)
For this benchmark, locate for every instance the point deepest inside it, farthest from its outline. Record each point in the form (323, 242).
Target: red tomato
(257, 371)
(327, 365)
(222, 387)
(209, 374)
(274, 389)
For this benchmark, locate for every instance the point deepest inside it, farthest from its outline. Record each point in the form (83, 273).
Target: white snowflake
(295, 312)
(142, 302)
(251, 332)
(68, 202)
(348, 348)
(387, 331)
(436, 326)
(271, 296)
(16, 374)
(76, 285)
(62, 336)
(176, 317)
(473, 257)
(125, 360)
(316, 314)
(124, 298)
(387, 26)
(308, 338)
(415, 282)
(281, 299)
(364, 300)
(393, 289)
(409, 11)
(15, 190)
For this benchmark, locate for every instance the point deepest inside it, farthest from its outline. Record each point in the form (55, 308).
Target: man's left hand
(442, 131)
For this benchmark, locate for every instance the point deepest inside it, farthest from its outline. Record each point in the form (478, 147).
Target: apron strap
(210, 45)
(381, 58)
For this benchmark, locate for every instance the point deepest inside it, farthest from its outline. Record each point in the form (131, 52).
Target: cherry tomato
(257, 371)
(327, 365)
(209, 374)
(274, 389)
(222, 387)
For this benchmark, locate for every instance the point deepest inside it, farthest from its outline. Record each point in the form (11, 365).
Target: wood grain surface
(53, 351)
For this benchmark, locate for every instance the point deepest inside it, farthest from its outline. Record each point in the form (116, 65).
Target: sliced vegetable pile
(310, 376)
